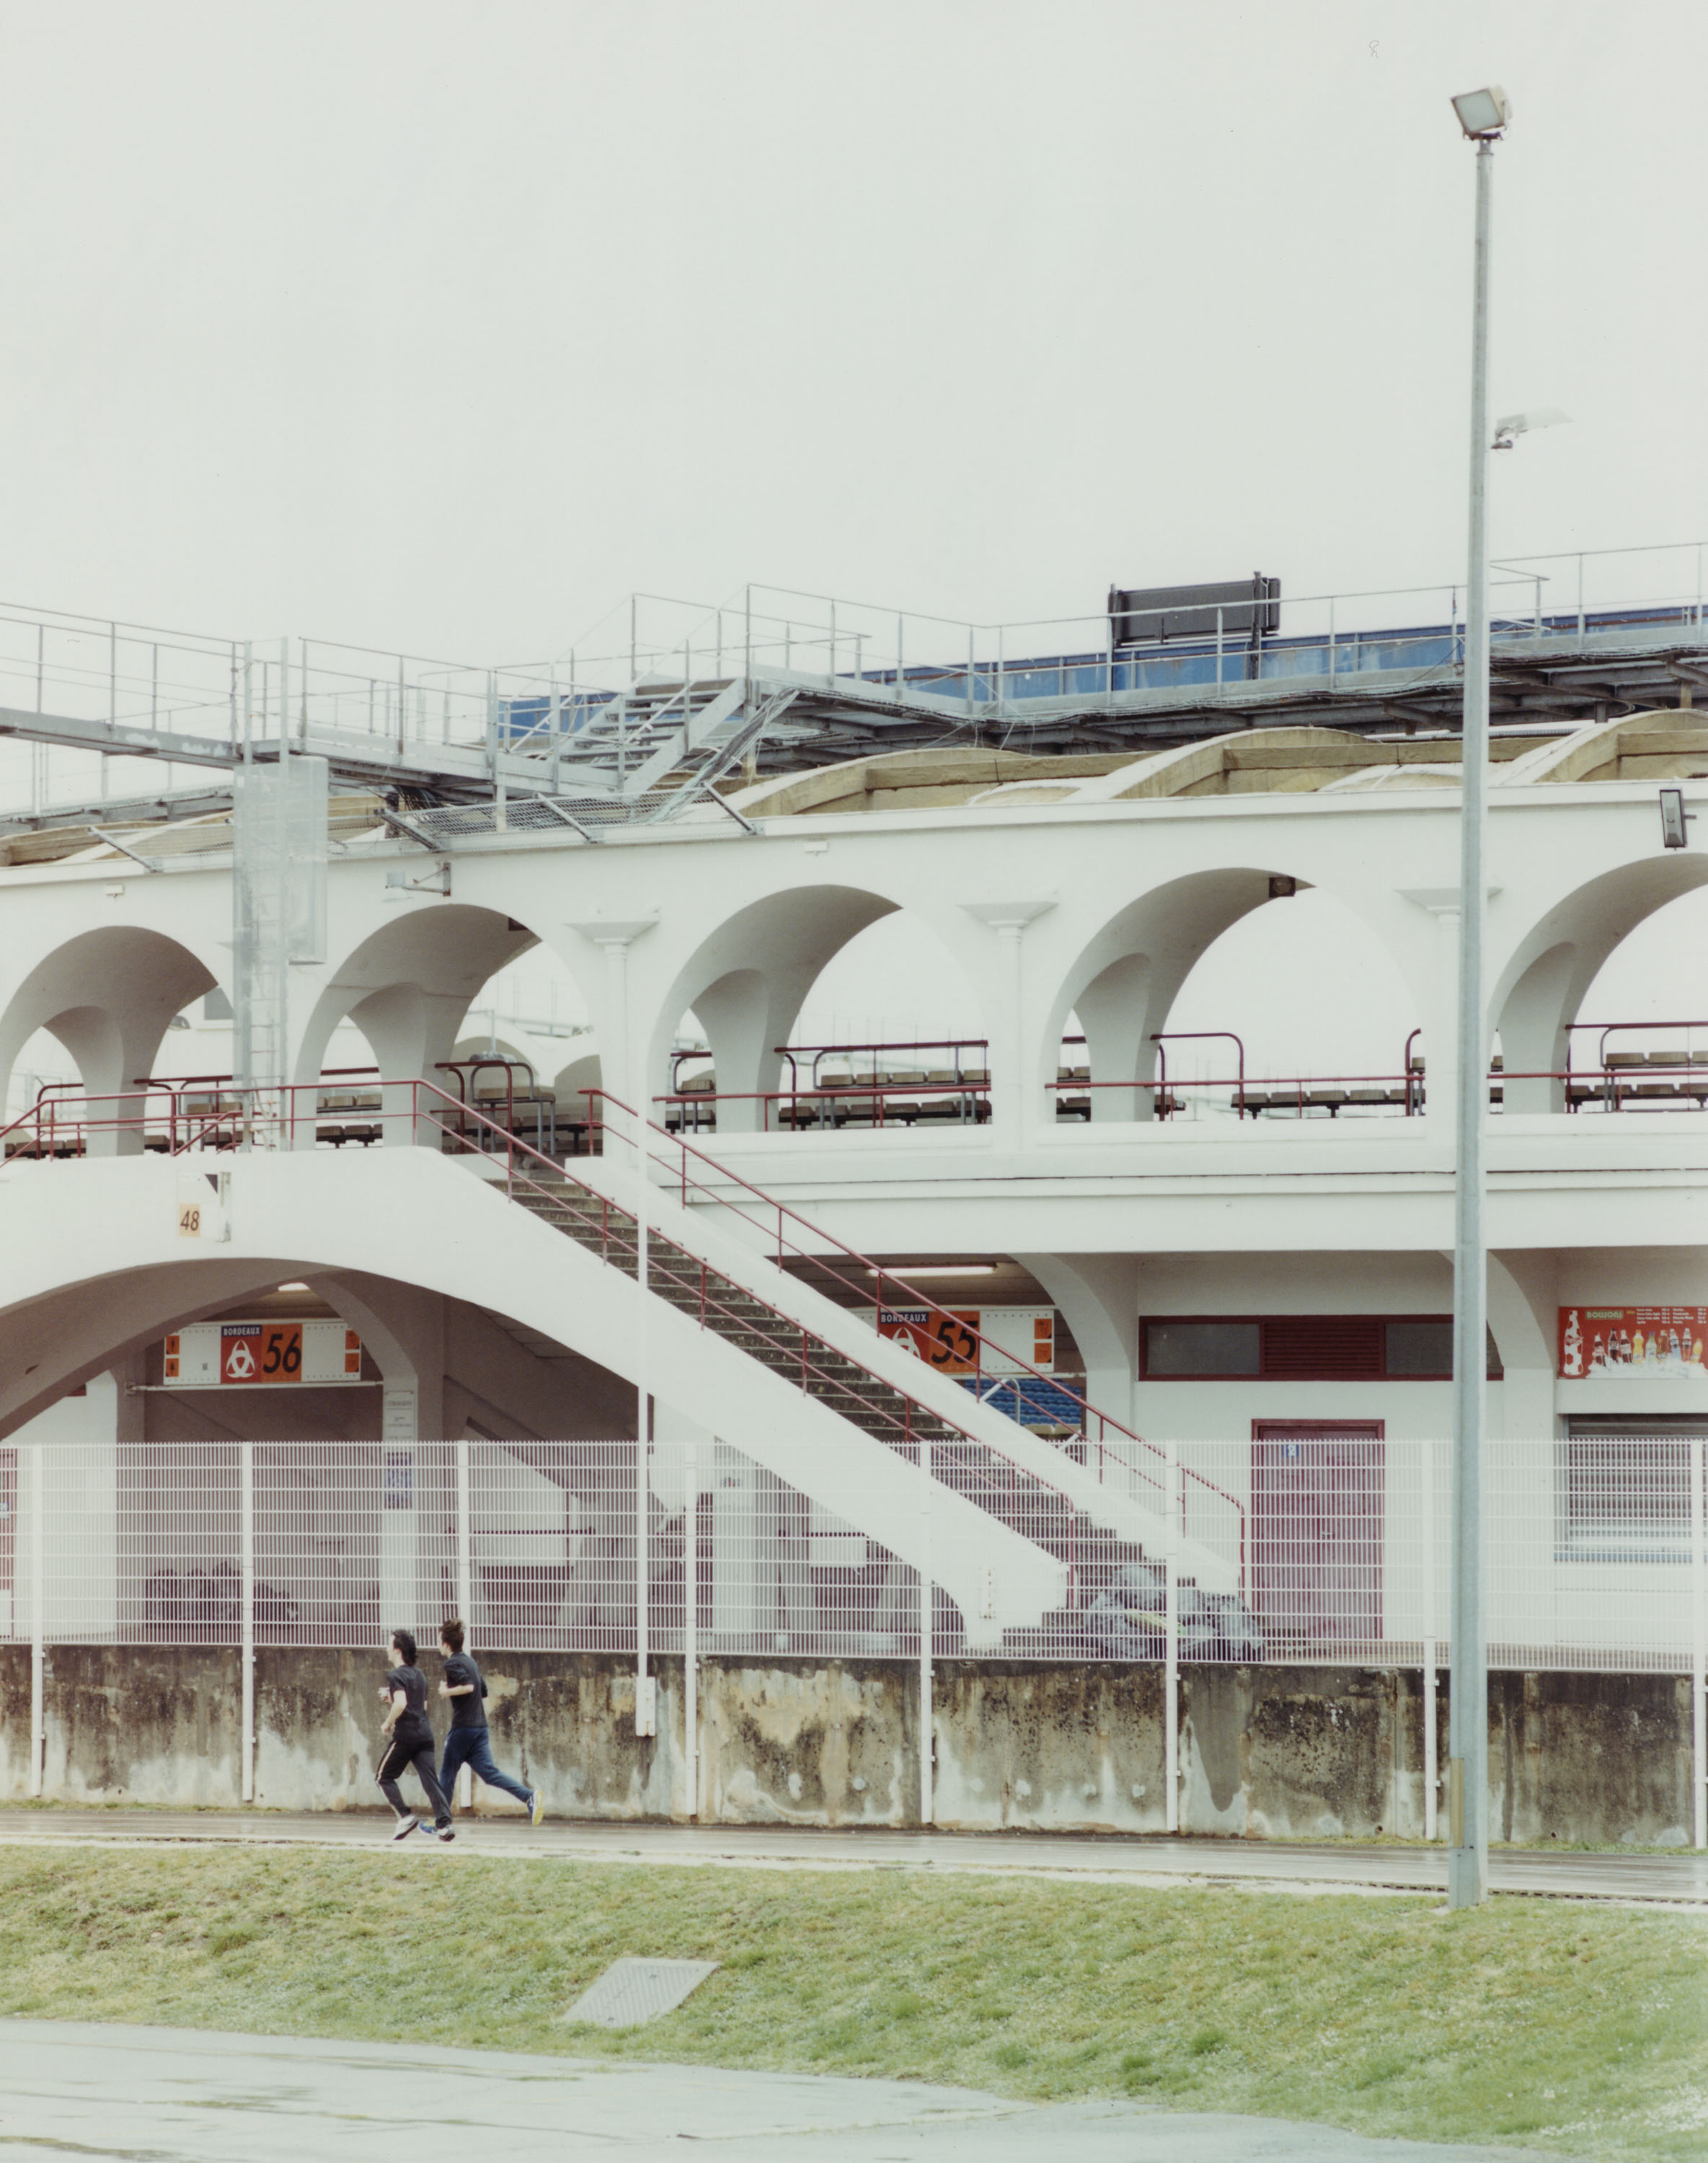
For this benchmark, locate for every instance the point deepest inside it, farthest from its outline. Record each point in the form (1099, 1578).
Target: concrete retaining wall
(1283, 1751)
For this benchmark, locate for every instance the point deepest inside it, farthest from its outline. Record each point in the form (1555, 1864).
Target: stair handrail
(515, 1147)
(685, 1149)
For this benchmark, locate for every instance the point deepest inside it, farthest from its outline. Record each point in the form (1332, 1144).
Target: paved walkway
(176, 2096)
(1679, 1879)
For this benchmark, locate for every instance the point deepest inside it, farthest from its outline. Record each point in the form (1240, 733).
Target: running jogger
(408, 1737)
(468, 1743)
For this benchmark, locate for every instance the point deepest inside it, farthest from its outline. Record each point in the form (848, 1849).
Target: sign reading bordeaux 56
(251, 1355)
(260, 1351)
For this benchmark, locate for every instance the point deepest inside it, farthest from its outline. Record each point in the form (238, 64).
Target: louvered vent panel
(1330, 1347)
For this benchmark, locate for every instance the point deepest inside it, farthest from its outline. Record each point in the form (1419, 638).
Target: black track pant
(399, 1756)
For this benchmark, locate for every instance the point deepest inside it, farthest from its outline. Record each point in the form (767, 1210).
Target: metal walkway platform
(779, 682)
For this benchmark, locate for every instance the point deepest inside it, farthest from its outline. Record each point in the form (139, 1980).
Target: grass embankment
(1554, 2026)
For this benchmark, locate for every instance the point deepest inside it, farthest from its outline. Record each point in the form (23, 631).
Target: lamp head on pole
(1484, 113)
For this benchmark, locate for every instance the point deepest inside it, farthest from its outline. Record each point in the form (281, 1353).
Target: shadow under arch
(1127, 976)
(109, 996)
(1542, 983)
(746, 982)
(66, 1336)
(408, 987)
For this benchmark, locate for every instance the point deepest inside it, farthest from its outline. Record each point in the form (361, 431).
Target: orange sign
(260, 1352)
(946, 1340)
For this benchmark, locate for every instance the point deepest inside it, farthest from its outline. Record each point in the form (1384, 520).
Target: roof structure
(749, 699)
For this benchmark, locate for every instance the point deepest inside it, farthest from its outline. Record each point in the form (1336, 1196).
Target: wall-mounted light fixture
(1675, 819)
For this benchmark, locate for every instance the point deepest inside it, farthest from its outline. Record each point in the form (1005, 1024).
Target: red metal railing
(1108, 1436)
(882, 1098)
(1646, 1075)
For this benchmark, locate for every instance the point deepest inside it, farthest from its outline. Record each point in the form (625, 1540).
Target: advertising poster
(252, 1355)
(944, 1340)
(1636, 1343)
(1016, 1339)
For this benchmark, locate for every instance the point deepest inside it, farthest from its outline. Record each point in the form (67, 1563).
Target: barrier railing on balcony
(834, 1097)
(204, 1111)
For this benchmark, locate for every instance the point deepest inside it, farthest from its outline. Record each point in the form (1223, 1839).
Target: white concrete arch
(1542, 982)
(109, 996)
(747, 981)
(1125, 979)
(407, 985)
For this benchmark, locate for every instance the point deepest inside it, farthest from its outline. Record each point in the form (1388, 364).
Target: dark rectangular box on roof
(1139, 615)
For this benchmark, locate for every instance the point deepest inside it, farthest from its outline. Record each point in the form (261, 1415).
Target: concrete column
(746, 1015)
(1522, 1303)
(1014, 1111)
(1439, 1042)
(623, 1059)
(403, 1329)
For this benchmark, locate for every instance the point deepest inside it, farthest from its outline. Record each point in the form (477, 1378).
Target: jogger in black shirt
(468, 1742)
(409, 1740)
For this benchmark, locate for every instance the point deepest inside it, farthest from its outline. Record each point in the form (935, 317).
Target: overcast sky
(442, 328)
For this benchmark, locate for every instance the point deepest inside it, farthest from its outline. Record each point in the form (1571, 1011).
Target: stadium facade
(1063, 1394)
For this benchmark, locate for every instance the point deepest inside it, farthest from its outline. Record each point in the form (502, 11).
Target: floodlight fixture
(1483, 113)
(1507, 431)
(1673, 819)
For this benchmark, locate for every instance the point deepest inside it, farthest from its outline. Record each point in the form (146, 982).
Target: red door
(1317, 1531)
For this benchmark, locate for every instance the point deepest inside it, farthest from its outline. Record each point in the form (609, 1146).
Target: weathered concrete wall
(1049, 1749)
(141, 1723)
(1302, 1753)
(1613, 1748)
(804, 1744)
(14, 1722)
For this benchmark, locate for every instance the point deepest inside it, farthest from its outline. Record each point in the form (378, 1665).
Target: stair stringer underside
(998, 1578)
(727, 1242)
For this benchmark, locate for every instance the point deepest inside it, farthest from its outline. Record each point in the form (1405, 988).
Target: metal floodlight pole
(1467, 1742)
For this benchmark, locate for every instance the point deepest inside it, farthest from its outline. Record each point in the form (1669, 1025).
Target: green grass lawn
(1582, 2030)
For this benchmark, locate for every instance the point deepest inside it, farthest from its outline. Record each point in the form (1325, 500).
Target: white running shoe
(536, 1807)
(405, 1827)
(445, 1832)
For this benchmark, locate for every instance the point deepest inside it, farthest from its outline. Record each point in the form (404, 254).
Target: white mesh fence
(1313, 1545)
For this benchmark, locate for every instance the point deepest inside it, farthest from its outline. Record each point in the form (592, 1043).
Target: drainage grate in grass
(632, 1991)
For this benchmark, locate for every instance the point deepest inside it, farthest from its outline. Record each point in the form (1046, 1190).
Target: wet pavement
(176, 2096)
(1678, 1879)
